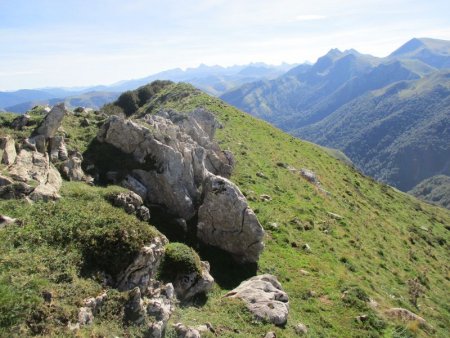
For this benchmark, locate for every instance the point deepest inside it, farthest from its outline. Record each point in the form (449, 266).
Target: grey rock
(5, 181)
(264, 297)
(8, 152)
(58, 150)
(226, 221)
(182, 160)
(301, 329)
(405, 315)
(34, 168)
(143, 213)
(20, 122)
(5, 220)
(71, 167)
(184, 331)
(85, 316)
(134, 310)
(144, 267)
(52, 121)
(270, 334)
(133, 184)
(310, 176)
(187, 286)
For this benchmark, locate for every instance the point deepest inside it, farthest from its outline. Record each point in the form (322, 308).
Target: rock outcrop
(35, 171)
(132, 203)
(264, 297)
(226, 221)
(178, 166)
(8, 152)
(144, 267)
(405, 315)
(52, 121)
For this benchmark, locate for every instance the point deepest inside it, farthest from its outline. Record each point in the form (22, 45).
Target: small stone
(306, 247)
(85, 316)
(335, 216)
(270, 334)
(143, 213)
(4, 220)
(265, 198)
(301, 329)
(304, 272)
(261, 175)
(273, 225)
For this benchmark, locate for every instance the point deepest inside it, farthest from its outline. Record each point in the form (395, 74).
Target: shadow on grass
(226, 272)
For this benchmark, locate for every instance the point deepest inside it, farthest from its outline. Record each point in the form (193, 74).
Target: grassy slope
(384, 239)
(372, 246)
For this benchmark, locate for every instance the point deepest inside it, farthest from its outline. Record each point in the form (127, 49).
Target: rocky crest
(187, 176)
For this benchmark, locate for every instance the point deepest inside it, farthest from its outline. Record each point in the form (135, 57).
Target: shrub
(128, 101)
(179, 259)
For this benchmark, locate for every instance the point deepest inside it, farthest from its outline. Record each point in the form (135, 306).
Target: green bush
(178, 259)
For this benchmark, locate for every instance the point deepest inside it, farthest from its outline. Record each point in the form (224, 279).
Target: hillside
(333, 246)
(311, 104)
(435, 190)
(401, 135)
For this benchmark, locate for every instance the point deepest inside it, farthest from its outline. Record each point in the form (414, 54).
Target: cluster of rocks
(132, 203)
(31, 164)
(188, 176)
(150, 303)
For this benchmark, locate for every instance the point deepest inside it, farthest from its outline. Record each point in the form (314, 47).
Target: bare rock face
(144, 267)
(8, 152)
(52, 121)
(178, 163)
(226, 221)
(35, 170)
(264, 297)
(58, 150)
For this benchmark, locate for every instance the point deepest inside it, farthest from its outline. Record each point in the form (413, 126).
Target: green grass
(378, 244)
(383, 239)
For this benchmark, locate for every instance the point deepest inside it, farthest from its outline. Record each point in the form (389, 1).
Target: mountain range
(214, 80)
(389, 115)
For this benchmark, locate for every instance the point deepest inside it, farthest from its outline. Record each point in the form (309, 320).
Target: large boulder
(177, 165)
(52, 121)
(35, 170)
(264, 297)
(226, 221)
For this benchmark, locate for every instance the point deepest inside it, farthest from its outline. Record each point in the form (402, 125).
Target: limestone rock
(264, 297)
(52, 121)
(405, 315)
(187, 286)
(5, 220)
(132, 203)
(71, 167)
(176, 160)
(58, 150)
(20, 122)
(144, 266)
(5, 181)
(301, 329)
(184, 331)
(270, 334)
(310, 176)
(8, 152)
(34, 168)
(226, 221)
(134, 307)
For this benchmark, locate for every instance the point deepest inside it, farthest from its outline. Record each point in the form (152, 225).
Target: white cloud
(310, 17)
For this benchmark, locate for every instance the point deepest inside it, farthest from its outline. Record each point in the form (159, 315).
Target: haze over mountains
(214, 80)
(389, 115)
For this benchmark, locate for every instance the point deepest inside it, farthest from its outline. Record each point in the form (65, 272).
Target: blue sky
(88, 42)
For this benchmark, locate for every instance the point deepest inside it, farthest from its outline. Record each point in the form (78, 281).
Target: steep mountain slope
(399, 134)
(312, 103)
(332, 246)
(435, 190)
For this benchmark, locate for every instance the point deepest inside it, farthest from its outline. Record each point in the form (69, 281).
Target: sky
(68, 43)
